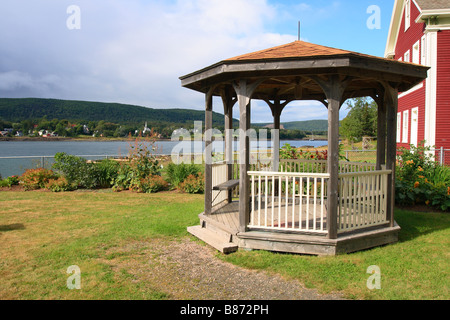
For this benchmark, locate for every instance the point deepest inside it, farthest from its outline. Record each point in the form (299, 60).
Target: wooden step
(215, 240)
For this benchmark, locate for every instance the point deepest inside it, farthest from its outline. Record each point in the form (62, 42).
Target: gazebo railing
(362, 200)
(288, 201)
(321, 166)
(295, 200)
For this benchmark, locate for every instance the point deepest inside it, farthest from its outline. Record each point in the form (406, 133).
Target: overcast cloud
(133, 52)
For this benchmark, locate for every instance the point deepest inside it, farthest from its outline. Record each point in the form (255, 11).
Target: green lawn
(44, 233)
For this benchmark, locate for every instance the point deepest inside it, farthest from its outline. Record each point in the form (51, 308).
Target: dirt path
(188, 270)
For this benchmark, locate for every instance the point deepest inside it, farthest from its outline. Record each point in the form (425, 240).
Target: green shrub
(78, 172)
(106, 172)
(9, 182)
(193, 184)
(138, 174)
(176, 174)
(58, 185)
(34, 179)
(151, 184)
(420, 180)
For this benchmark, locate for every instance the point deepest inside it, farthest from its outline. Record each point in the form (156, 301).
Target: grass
(417, 267)
(43, 233)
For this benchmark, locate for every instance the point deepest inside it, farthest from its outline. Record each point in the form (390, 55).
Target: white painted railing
(288, 201)
(362, 200)
(321, 166)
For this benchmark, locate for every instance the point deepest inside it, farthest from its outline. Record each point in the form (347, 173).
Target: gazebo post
(228, 103)
(208, 151)
(277, 108)
(244, 92)
(276, 139)
(381, 131)
(391, 102)
(334, 89)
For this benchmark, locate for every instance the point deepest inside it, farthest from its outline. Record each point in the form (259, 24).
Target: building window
(416, 53)
(414, 126)
(408, 56)
(405, 126)
(424, 51)
(407, 14)
(399, 126)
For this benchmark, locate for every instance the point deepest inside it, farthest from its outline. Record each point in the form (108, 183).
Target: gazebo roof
(287, 72)
(296, 49)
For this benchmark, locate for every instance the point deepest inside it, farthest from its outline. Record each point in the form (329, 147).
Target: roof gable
(426, 8)
(433, 4)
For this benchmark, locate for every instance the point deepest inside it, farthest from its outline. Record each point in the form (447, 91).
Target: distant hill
(16, 110)
(307, 126)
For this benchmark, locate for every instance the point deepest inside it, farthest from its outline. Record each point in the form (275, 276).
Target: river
(43, 151)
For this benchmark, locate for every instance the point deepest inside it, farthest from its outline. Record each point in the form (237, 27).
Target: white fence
(362, 200)
(295, 199)
(288, 201)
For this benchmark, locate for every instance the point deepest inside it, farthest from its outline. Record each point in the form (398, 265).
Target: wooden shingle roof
(296, 49)
(286, 67)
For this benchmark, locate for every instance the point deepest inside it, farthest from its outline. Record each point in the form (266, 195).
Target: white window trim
(423, 58)
(415, 127)
(416, 53)
(399, 127)
(405, 126)
(407, 14)
(407, 57)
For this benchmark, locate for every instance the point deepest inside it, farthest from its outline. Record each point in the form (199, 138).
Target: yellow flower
(409, 162)
(420, 169)
(427, 202)
(417, 184)
(421, 177)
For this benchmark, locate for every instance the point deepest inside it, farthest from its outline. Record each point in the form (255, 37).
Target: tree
(361, 121)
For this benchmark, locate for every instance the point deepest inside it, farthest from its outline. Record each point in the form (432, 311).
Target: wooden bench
(227, 186)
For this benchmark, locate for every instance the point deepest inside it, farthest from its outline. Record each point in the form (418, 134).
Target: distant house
(420, 34)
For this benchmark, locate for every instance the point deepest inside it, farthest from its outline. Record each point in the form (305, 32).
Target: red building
(420, 33)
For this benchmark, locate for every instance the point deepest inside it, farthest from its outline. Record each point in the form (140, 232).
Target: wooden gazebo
(322, 207)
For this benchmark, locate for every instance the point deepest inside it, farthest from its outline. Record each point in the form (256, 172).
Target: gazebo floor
(221, 230)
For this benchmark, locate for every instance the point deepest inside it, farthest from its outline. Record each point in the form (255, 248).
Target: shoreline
(103, 139)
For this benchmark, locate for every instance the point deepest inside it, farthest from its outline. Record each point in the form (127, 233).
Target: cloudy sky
(134, 51)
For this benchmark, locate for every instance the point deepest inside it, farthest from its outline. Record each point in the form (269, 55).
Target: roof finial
(299, 30)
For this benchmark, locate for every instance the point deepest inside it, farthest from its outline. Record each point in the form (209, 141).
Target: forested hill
(16, 110)
(306, 126)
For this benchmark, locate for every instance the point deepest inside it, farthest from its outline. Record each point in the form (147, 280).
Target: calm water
(42, 150)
